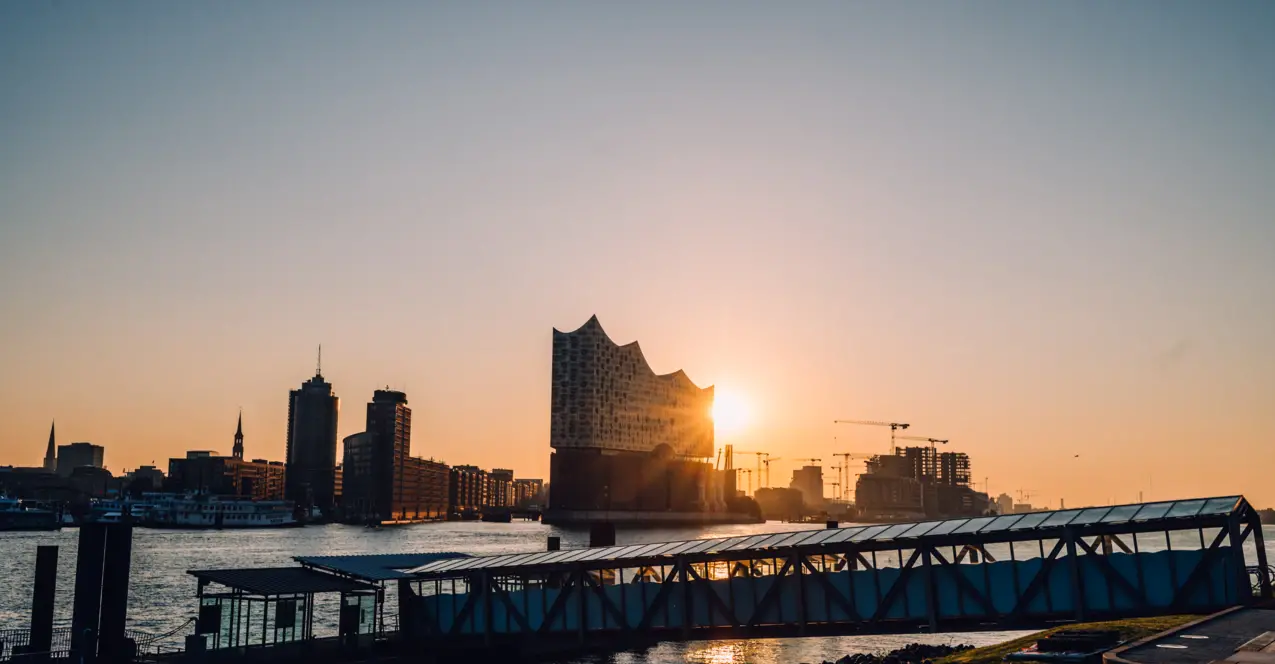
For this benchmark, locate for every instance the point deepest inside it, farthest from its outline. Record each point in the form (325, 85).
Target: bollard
(87, 605)
(831, 525)
(555, 543)
(116, 567)
(42, 594)
(601, 534)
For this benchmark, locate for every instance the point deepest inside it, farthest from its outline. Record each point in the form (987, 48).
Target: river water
(161, 594)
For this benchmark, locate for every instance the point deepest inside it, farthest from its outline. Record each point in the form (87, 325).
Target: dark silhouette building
(381, 481)
(78, 455)
(50, 454)
(237, 450)
(919, 482)
(205, 472)
(311, 450)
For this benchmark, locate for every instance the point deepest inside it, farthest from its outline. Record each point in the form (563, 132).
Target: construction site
(912, 482)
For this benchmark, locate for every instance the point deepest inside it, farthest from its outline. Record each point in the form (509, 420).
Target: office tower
(311, 451)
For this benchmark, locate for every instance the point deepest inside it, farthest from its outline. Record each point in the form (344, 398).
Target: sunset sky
(1041, 230)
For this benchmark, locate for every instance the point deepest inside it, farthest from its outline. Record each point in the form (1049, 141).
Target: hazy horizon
(1039, 231)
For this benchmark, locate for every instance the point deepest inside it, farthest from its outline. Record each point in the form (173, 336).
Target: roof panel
(868, 533)
(795, 538)
(747, 543)
(920, 529)
(821, 536)
(770, 541)
(710, 545)
(1220, 505)
(1001, 523)
(893, 531)
(1185, 508)
(1031, 521)
(376, 567)
(1059, 518)
(844, 534)
(759, 545)
(269, 581)
(1091, 515)
(946, 527)
(1121, 513)
(1152, 511)
(975, 524)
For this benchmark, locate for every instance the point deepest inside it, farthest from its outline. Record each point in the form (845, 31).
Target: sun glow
(730, 412)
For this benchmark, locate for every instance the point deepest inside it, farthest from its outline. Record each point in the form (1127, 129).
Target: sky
(1043, 231)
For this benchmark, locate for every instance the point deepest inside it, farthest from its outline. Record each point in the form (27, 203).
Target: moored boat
(27, 515)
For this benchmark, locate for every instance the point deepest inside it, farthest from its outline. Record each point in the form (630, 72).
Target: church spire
(50, 455)
(238, 449)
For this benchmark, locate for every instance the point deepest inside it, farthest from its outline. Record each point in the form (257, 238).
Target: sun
(730, 412)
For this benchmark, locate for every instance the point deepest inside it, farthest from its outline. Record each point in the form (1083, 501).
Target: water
(161, 593)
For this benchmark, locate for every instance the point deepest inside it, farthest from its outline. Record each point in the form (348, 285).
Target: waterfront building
(808, 480)
(625, 440)
(311, 446)
(1005, 503)
(528, 491)
(78, 455)
(500, 491)
(919, 482)
(206, 472)
(467, 489)
(381, 480)
(148, 474)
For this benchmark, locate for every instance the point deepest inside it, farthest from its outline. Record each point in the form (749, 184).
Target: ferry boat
(26, 515)
(204, 511)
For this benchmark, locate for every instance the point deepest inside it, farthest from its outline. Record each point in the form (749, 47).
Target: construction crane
(894, 426)
(769, 460)
(836, 488)
(847, 456)
(839, 495)
(759, 456)
(931, 441)
(813, 461)
(748, 472)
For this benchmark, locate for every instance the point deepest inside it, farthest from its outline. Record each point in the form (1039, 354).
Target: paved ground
(1222, 636)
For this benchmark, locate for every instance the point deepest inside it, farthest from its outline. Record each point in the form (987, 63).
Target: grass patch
(1136, 628)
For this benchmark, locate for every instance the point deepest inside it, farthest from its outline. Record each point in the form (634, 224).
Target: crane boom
(894, 426)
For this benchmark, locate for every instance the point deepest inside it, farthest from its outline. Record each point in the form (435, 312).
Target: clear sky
(1038, 229)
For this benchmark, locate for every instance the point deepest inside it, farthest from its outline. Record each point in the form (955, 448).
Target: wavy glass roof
(1170, 513)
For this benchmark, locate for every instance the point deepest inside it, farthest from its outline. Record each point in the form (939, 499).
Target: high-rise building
(381, 480)
(50, 454)
(311, 450)
(77, 455)
(500, 491)
(1005, 503)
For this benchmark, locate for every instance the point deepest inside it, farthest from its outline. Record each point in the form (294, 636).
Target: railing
(1261, 576)
(14, 639)
(152, 644)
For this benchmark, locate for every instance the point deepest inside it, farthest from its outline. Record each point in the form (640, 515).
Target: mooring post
(88, 592)
(42, 593)
(117, 563)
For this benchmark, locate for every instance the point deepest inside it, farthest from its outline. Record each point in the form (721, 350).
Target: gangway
(1013, 571)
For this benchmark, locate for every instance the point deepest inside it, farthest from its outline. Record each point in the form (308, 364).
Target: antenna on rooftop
(318, 365)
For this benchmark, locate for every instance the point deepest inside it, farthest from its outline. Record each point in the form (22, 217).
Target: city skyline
(1042, 233)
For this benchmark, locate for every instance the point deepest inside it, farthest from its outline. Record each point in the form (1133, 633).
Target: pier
(1017, 571)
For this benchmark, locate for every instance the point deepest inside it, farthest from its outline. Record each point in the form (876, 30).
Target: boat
(207, 511)
(27, 515)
